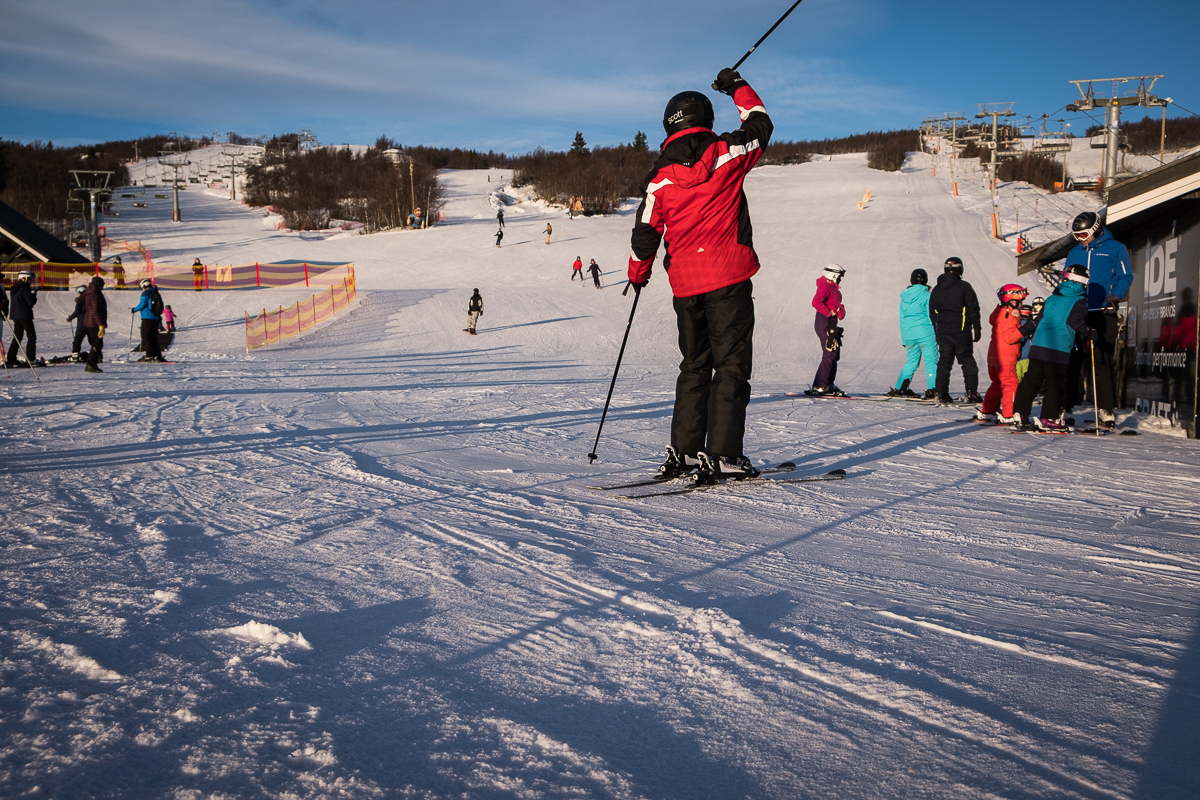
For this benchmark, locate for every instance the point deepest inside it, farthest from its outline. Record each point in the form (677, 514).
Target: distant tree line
(35, 178)
(600, 177)
(310, 188)
(1145, 136)
(886, 150)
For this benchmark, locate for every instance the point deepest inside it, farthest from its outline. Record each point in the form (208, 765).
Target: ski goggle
(1083, 236)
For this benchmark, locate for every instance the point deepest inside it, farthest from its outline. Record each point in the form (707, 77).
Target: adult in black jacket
(954, 310)
(94, 321)
(20, 317)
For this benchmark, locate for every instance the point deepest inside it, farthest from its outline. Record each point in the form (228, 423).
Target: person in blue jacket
(1110, 275)
(1064, 316)
(918, 337)
(150, 307)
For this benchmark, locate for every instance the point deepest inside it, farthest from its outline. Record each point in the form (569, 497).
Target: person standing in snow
(954, 311)
(77, 314)
(169, 318)
(577, 268)
(549, 230)
(828, 303)
(474, 311)
(1065, 316)
(693, 198)
(94, 322)
(118, 272)
(1004, 351)
(500, 217)
(1031, 315)
(917, 336)
(197, 275)
(150, 308)
(499, 236)
(23, 298)
(1109, 279)
(594, 269)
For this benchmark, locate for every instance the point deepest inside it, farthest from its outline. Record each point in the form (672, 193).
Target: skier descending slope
(694, 193)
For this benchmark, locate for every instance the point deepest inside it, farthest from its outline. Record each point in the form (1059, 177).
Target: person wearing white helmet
(77, 314)
(150, 306)
(828, 304)
(20, 319)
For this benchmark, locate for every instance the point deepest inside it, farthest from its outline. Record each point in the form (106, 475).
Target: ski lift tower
(233, 156)
(995, 111)
(1112, 106)
(176, 165)
(96, 185)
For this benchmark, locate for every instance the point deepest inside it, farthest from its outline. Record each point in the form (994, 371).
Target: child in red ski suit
(1003, 353)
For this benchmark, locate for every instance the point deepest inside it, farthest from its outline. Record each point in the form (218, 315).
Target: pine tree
(639, 143)
(579, 147)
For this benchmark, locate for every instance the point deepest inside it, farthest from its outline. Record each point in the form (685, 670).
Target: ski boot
(982, 417)
(1107, 420)
(930, 394)
(676, 466)
(972, 397)
(714, 469)
(1048, 425)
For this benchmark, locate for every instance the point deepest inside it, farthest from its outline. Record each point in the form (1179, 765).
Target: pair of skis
(678, 485)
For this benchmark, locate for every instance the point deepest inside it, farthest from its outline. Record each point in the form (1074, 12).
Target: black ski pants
(956, 346)
(80, 332)
(149, 331)
(1079, 381)
(716, 339)
(95, 346)
(21, 328)
(1042, 376)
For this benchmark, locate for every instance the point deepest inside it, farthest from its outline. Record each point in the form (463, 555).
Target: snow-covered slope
(366, 563)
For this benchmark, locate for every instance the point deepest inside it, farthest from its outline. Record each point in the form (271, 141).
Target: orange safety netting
(275, 326)
(62, 277)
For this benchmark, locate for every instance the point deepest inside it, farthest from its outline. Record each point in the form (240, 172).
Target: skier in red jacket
(1003, 353)
(694, 193)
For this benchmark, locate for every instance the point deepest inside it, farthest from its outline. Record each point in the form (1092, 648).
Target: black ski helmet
(919, 276)
(1086, 226)
(687, 110)
(954, 264)
(1076, 272)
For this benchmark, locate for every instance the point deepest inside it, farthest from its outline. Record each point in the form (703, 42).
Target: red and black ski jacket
(693, 197)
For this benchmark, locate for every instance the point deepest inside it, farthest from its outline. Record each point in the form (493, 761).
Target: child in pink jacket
(828, 303)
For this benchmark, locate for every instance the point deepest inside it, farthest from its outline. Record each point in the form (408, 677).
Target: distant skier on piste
(1109, 278)
(474, 311)
(693, 198)
(77, 314)
(918, 337)
(954, 311)
(577, 269)
(828, 303)
(22, 298)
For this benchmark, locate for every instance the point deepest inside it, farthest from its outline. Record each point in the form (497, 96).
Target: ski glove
(976, 334)
(100, 333)
(727, 82)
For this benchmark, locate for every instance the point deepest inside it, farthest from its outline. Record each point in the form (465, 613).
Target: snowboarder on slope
(1109, 278)
(954, 310)
(1004, 351)
(474, 311)
(828, 303)
(917, 336)
(1064, 316)
(694, 194)
(77, 314)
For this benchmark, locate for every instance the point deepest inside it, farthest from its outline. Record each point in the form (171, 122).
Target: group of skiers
(91, 321)
(593, 270)
(693, 199)
(1049, 347)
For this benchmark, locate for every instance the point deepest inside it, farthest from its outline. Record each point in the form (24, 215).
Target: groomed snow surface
(366, 563)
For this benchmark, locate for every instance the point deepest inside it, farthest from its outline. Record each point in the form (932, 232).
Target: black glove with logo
(727, 82)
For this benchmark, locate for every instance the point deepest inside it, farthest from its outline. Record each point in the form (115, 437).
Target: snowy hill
(367, 564)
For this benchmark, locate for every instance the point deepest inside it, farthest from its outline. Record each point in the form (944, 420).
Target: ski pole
(637, 295)
(129, 344)
(765, 35)
(1095, 388)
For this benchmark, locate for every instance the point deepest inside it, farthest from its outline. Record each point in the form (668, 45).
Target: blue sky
(512, 76)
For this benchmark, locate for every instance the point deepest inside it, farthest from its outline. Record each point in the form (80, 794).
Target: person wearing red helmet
(693, 199)
(1003, 353)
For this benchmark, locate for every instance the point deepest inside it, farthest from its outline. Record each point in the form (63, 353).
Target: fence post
(257, 279)
(42, 276)
(206, 276)
(306, 273)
